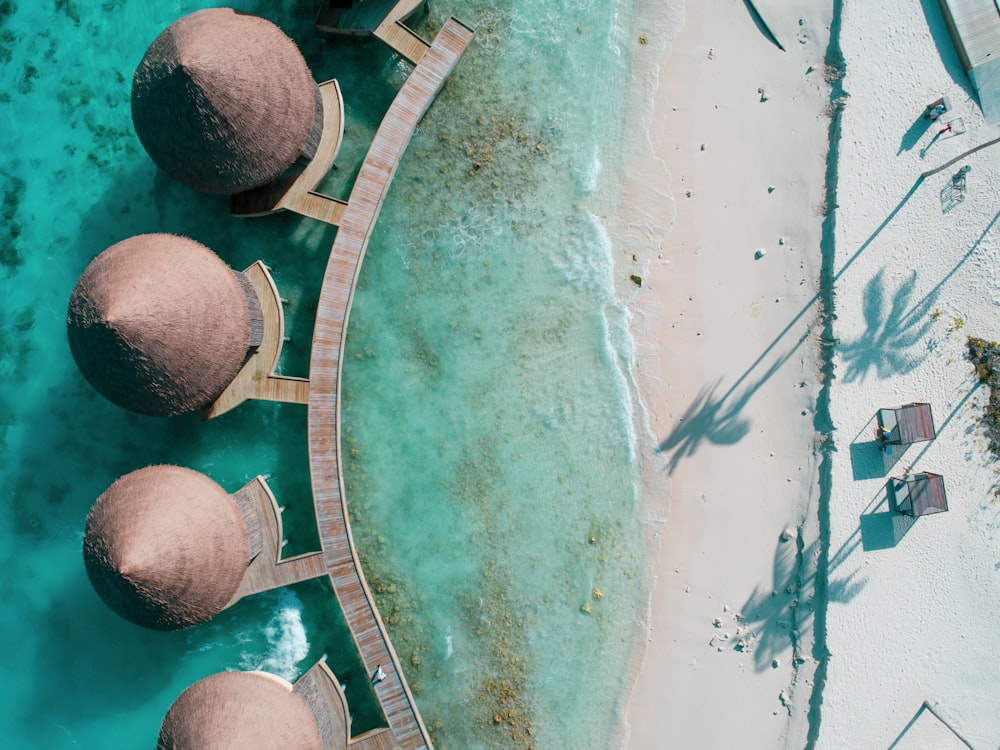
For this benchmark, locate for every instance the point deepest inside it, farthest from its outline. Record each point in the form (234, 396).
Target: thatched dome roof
(166, 547)
(224, 102)
(248, 710)
(159, 324)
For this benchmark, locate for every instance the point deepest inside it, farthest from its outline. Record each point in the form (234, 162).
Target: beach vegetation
(636, 279)
(643, 39)
(985, 357)
(936, 313)
(957, 324)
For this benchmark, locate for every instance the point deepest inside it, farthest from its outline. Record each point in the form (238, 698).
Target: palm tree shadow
(889, 334)
(771, 620)
(716, 418)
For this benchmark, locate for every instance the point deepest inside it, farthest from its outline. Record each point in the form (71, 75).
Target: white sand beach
(790, 607)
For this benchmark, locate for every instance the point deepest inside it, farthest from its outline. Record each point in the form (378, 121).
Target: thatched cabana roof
(224, 102)
(247, 710)
(166, 547)
(159, 324)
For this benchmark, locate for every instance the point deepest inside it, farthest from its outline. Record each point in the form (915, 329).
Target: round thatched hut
(166, 547)
(160, 325)
(251, 710)
(224, 102)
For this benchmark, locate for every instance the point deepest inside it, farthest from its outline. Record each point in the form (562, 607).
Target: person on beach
(936, 111)
(946, 129)
(883, 435)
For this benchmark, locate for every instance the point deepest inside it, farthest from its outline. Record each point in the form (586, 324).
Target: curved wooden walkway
(341, 274)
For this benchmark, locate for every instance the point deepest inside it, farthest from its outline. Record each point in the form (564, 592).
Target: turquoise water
(490, 455)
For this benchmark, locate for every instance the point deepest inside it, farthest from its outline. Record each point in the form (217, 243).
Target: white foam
(287, 642)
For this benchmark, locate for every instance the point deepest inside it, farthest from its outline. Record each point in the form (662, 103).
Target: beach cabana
(166, 547)
(224, 102)
(902, 425)
(246, 710)
(918, 494)
(160, 325)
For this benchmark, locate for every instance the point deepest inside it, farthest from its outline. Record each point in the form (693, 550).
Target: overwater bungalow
(166, 547)
(247, 710)
(160, 325)
(224, 102)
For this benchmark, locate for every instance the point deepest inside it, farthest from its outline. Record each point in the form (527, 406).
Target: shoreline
(864, 626)
(709, 621)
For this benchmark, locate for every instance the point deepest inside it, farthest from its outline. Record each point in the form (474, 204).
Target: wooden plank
(364, 16)
(268, 570)
(403, 40)
(321, 690)
(376, 739)
(333, 310)
(296, 193)
(258, 379)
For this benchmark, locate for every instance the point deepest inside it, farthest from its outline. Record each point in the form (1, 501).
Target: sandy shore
(728, 323)
(740, 126)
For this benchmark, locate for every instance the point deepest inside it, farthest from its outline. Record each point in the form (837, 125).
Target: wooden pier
(297, 193)
(257, 379)
(268, 570)
(343, 267)
(383, 19)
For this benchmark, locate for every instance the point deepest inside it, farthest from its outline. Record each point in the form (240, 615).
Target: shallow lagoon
(488, 440)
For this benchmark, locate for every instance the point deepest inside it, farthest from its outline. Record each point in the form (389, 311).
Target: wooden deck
(383, 19)
(319, 688)
(403, 40)
(268, 570)
(257, 379)
(298, 193)
(364, 16)
(336, 295)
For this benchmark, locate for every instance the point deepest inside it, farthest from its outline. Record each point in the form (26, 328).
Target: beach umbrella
(224, 102)
(246, 710)
(166, 547)
(160, 325)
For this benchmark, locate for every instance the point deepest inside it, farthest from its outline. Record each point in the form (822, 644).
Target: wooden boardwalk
(268, 570)
(257, 379)
(297, 193)
(362, 18)
(333, 310)
(319, 688)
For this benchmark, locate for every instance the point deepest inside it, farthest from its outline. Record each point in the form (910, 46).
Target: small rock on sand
(761, 252)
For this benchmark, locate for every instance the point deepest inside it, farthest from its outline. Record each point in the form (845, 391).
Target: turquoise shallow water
(489, 449)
